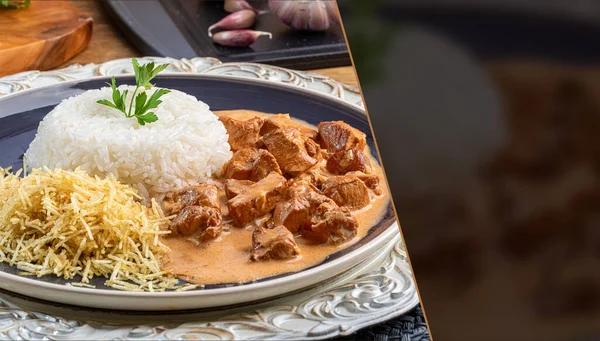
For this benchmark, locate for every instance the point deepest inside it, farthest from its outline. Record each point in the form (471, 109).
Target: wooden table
(108, 44)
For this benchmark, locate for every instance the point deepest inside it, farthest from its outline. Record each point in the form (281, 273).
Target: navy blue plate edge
(354, 111)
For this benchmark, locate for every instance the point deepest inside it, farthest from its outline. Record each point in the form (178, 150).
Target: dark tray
(178, 29)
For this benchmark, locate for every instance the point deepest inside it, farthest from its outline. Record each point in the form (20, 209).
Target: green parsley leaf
(143, 75)
(140, 102)
(107, 103)
(147, 118)
(154, 72)
(154, 101)
(118, 98)
(14, 4)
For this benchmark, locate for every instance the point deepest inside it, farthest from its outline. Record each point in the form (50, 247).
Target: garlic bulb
(312, 15)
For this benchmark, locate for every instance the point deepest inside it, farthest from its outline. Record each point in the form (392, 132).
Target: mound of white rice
(188, 144)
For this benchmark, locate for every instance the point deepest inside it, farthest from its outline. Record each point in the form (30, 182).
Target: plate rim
(391, 285)
(166, 74)
(377, 241)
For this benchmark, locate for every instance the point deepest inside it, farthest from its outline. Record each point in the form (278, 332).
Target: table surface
(108, 43)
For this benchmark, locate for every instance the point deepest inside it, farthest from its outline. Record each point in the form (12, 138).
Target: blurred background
(487, 114)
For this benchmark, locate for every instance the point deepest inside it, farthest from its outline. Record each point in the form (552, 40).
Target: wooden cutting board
(42, 36)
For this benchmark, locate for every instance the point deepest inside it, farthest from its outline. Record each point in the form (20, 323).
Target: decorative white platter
(379, 288)
(206, 66)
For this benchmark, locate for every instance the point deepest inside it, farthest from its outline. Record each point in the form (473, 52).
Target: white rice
(188, 144)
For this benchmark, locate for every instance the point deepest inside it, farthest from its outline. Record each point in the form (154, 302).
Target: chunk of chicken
(251, 164)
(370, 180)
(264, 165)
(301, 187)
(258, 199)
(192, 219)
(241, 164)
(275, 243)
(279, 121)
(294, 152)
(234, 187)
(347, 190)
(331, 224)
(242, 134)
(303, 200)
(338, 135)
(315, 176)
(197, 195)
(350, 160)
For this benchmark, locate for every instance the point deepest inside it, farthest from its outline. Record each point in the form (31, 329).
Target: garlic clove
(239, 37)
(237, 20)
(233, 6)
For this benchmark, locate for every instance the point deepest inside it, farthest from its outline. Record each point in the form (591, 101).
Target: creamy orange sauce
(226, 258)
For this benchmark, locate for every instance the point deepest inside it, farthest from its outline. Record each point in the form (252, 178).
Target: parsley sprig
(143, 75)
(14, 4)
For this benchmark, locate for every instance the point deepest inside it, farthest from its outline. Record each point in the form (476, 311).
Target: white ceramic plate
(20, 114)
